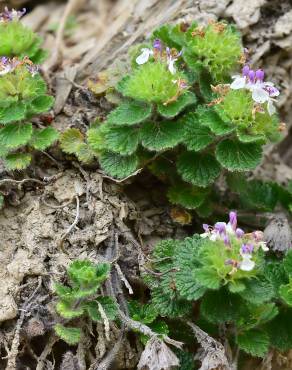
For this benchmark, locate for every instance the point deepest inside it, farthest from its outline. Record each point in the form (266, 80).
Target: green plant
(18, 40)
(181, 117)
(23, 95)
(238, 286)
(81, 298)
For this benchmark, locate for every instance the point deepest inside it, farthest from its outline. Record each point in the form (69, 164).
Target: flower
(11, 15)
(144, 56)
(262, 92)
(157, 45)
(246, 264)
(8, 65)
(171, 60)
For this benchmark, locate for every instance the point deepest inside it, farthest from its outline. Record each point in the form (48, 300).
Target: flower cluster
(8, 65)
(171, 55)
(11, 15)
(262, 91)
(234, 237)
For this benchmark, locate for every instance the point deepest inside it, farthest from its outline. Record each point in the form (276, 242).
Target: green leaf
(236, 156)
(287, 262)
(96, 137)
(15, 112)
(169, 305)
(17, 161)
(258, 291)
(42, 104)
(161, 135)
(285, 292)
(246, 138)
(44, 138)
(66, 310)
(68, 334)
(129, 113)
(109, 306)
(220, 306)
(166, 34)
(280, 330)
(254, 342)
(207, 117)
(187, 261)
(144, 313)
(198, 169)
(71, 140)
(84, 153)
(122, 139)
(186, 195)
(275, 273)
(196, 136)
(1, 201)
(14, 135)
(173, 109)
(208, 278)
(118, 166)
(236, 286)
(85, 273)
(63, 291)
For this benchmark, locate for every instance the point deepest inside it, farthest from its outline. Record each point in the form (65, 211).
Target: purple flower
(260, 75)
(239, 233)
(251, 75)
(233, 219)
(246, 248)
(11, 15)
(33, 69)
(220, 227)
(157, 45)
(245, 70)
(206, 227)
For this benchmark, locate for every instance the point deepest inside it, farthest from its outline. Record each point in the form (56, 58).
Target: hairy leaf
(186, 195)
(129, 113)
(160, 136)
(68, 334)
(198, 169)
(118, 166)
(254, 342)
(17, 161)
(123, 140)
(71, 140)
(43, 138)
(173, 109)
(14, 135)
(236, 156)
(196, 136)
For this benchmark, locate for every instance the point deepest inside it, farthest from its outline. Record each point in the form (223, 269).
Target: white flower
(246, 264)
(263, 245)
(238, 83)
(171, 66)
(144, 56)
(5, 70)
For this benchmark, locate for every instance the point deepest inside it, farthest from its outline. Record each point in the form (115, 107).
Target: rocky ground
(59, 211)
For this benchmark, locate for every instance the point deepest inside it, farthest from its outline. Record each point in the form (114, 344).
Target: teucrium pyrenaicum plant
(23, 93)
(184, 113)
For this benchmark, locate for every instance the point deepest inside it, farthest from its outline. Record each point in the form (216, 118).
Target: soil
(35, 241)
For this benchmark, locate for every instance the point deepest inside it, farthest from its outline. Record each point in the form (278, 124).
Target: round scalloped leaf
(122, 139)
(173, 109)
(69, 334)
(237, 156)
(258, 291)
(162, 135)
(186, 195)
(246, 138)
(118, 166)
(84, 153)
(42, 104)
(17, 161)
(129, 113)
(196, 136)
(15, 134)
(71, 140)
(198, 169)
(207, 117)
(254, 342)
(15, 112)
(42, 139)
